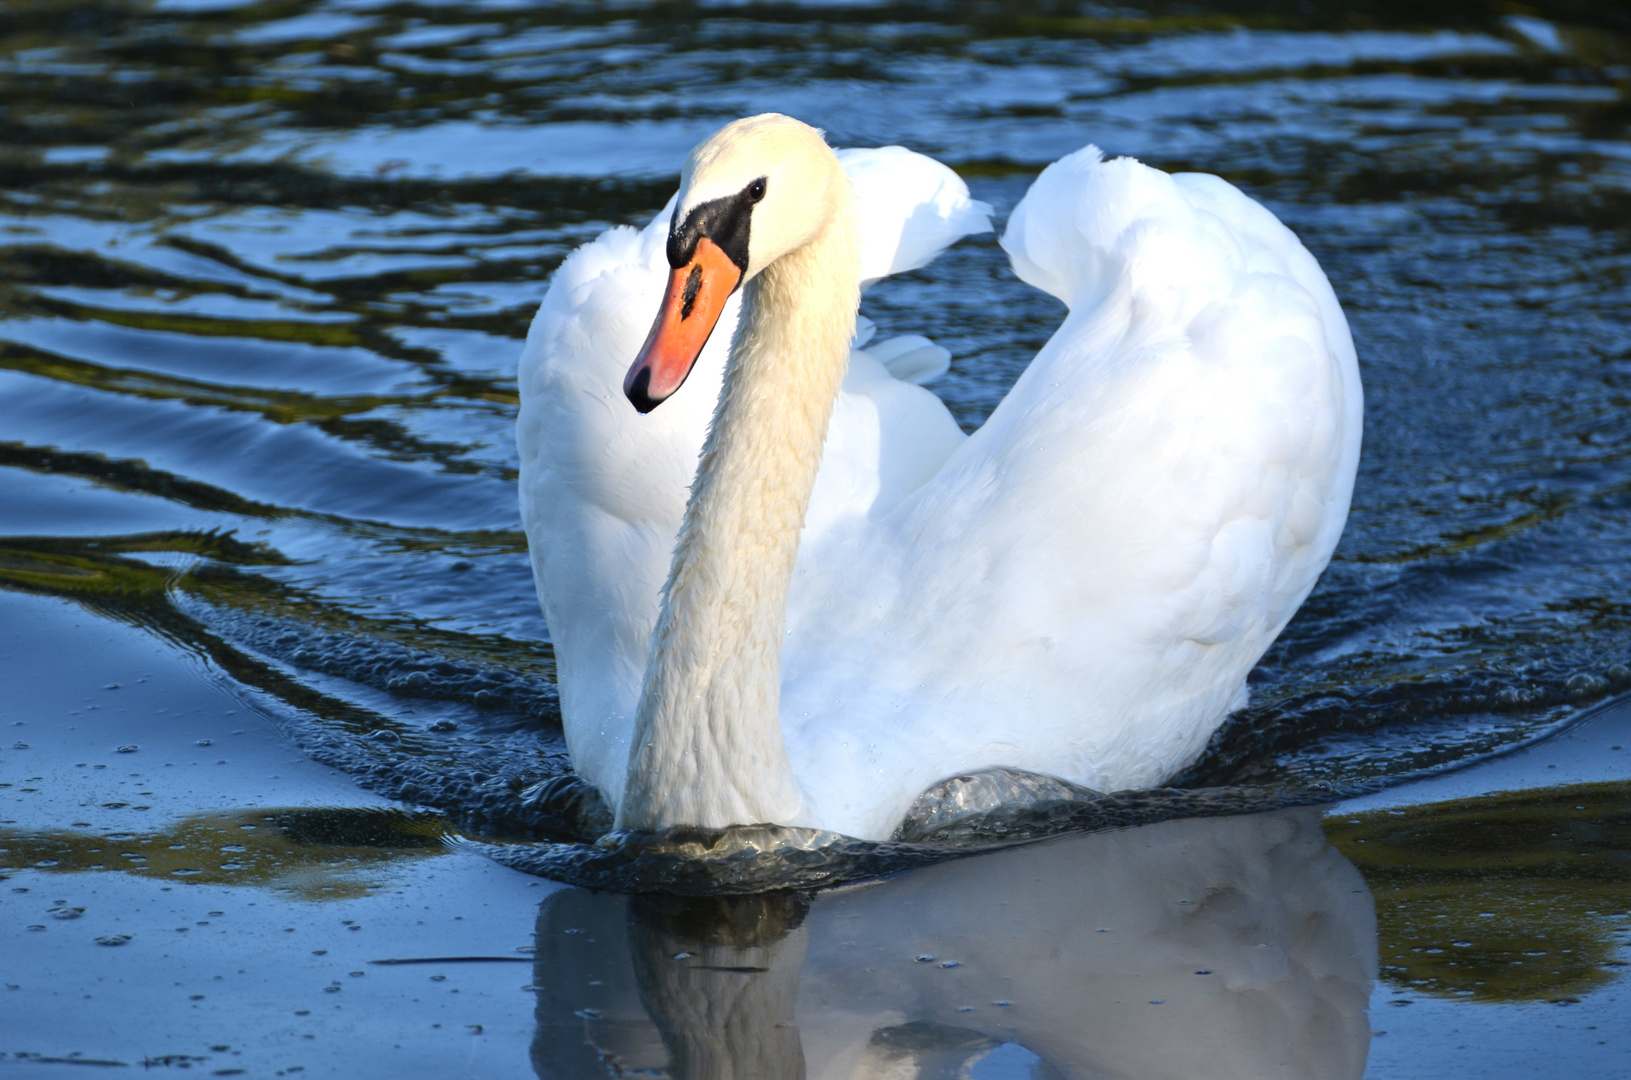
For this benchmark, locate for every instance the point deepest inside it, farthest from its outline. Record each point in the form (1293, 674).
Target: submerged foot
(983, 804)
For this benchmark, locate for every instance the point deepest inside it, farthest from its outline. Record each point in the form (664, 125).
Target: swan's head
(756, 190)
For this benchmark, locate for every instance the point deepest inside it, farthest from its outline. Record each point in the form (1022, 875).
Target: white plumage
(1078, 589)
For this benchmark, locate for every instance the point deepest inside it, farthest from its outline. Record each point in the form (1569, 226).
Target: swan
(783, 587)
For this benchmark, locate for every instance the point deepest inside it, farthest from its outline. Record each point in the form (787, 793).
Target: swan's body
(1078, 589)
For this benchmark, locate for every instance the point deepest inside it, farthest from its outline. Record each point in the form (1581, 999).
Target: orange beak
(692, 305)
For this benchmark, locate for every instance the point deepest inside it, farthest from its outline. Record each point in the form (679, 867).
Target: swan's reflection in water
(1224, 947)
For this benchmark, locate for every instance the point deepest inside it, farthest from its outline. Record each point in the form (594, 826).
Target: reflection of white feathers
(1078, 589)
(1238, 948)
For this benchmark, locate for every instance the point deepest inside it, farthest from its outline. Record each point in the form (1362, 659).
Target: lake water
(268, 631)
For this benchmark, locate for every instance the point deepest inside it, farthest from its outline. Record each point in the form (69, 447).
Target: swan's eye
(756, 190)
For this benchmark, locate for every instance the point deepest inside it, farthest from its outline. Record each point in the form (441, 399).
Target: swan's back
(1084, 585)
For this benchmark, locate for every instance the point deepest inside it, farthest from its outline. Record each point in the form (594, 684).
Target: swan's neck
(708, 747)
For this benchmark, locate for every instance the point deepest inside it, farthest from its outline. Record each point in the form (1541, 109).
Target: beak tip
(637, 388)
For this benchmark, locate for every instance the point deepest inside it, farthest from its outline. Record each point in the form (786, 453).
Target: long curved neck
(708, 747)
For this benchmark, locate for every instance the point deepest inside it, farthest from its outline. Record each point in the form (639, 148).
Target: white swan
(1078, 589)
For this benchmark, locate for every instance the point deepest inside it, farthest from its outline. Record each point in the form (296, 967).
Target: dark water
(267, 269)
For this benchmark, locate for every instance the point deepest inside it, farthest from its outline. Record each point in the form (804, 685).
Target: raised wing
(1083, 587)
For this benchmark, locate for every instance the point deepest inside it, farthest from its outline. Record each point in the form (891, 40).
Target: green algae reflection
(1521, 896)
(316, 853)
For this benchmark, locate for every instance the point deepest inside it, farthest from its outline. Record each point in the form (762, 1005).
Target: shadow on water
(311, 853)
(1519, 897)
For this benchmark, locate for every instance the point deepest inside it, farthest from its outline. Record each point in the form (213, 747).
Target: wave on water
(503, 778)
(479, 742)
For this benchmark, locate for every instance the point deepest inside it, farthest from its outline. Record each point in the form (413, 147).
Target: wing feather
(1082, 589)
